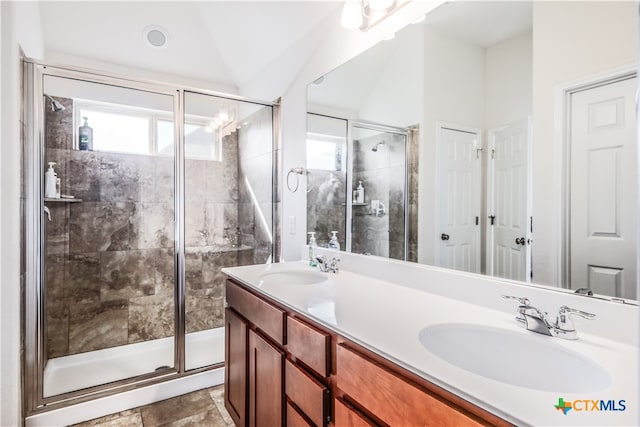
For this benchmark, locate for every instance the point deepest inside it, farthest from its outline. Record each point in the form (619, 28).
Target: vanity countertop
(387, 318)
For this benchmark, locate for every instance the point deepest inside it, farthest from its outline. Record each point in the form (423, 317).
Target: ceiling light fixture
(365, 14)
(352, 15)
(155, 36)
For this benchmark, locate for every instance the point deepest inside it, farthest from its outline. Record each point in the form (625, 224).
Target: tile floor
(203, 408)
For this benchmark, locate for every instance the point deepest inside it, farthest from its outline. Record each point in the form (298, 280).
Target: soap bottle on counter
(333, 243)
(312, 251)
(85, 136)
(360, 193)
(50, 182)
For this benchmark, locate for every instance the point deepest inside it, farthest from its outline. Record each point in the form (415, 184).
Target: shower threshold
(83, 370)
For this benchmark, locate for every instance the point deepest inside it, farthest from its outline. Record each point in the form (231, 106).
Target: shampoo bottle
(360, 193)
(333, 243)
(50, 180)
(85, 136)
(312, 251)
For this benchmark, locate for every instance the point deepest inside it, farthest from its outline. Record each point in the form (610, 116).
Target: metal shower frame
(33, 330)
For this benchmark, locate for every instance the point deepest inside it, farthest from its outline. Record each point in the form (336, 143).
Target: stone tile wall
(109, 272)
(256, 186)
(383, 177)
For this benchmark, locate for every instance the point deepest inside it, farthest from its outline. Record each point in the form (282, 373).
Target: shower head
(55, 105)
(375, 147)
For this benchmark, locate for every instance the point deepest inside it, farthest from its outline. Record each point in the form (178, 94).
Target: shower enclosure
(345, 155)
(124, 285)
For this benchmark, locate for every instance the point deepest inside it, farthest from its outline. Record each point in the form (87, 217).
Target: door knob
(520, 241)
(444, 236)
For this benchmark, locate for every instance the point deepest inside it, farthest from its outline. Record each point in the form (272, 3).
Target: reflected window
(324, 152)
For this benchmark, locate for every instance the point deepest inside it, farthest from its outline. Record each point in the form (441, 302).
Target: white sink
(527, 360)
(293, 277)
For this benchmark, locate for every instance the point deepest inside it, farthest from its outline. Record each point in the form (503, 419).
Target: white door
(509, 202)
(459, 199)
(604, 184)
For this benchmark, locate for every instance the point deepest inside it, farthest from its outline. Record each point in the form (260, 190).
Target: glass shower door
(379, 164)
(108, 234)
(228, 147)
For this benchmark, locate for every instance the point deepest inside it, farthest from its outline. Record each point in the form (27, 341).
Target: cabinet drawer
(311, 396)
(294, 419)
(347, 416)
(309, 345)
(393, 400)
(266, 317)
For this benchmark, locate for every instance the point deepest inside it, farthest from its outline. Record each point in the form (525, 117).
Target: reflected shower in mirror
(358, 186)
(527, 139)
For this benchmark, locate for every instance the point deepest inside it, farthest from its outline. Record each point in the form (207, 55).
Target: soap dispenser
(333, 243)
(50, 181)
(360, 193)
(312, 251)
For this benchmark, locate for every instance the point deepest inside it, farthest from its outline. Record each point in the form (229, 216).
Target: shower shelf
(61, 200)
(357, 204)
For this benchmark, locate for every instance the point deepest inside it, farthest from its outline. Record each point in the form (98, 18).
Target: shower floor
(79, 371)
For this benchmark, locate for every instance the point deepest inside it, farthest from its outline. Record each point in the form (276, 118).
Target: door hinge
(493, 153)
(478, 150)
(477, 220)
(531, 224)
(492, 218)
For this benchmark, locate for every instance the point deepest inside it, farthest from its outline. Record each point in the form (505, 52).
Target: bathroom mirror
(525, 129)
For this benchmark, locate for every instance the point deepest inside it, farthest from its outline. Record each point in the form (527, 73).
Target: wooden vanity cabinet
(235, 374)
(283, 369)
(266, 401)
(273, 378)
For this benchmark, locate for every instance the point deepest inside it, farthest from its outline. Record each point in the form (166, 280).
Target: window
(324, 152)
(126, 129)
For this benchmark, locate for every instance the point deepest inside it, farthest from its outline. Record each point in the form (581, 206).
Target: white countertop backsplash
(384, 304)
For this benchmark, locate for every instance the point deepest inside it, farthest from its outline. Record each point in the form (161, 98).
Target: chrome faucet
(535, 320)
(330, 266)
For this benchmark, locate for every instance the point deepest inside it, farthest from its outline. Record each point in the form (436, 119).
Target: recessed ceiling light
(155, 36)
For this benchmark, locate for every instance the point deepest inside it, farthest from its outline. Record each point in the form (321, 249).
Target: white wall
(29, 28)
(559, 56)
(54, 57)
(453, 92)
(19, 27)
(508, 81)
(396, 98)
(9, 222)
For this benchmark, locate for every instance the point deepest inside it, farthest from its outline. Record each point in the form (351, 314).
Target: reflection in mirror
(357, 186)
(527, 137)
(327, 178)
(379, 204)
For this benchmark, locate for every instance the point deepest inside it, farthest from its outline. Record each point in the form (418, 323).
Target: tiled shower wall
(383, 177)
(109, 276)
(255, 184)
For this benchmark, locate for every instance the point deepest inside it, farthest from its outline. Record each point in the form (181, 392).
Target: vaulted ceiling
(225, 42)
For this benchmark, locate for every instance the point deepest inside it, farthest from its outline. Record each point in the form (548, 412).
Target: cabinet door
(235, 381)
(266, 368)
(348, 416)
